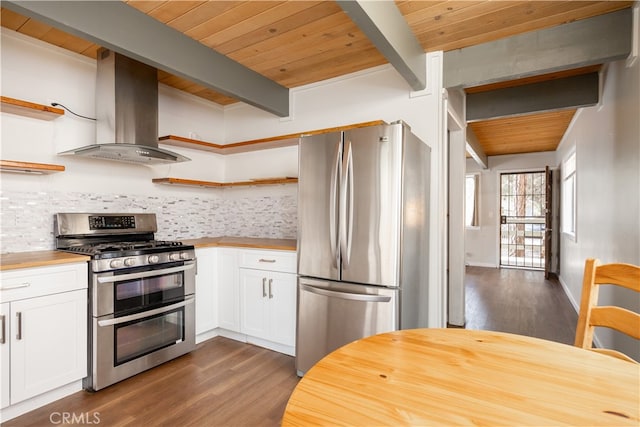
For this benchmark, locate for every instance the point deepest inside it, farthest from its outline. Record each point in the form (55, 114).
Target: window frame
(476, 201)
(569, 199)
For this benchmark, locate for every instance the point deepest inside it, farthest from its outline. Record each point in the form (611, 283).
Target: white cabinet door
(5, 316)
(228, 292)
(282, 311)
(48, 343)
(206, 290)
(254, 302)
(268, 305)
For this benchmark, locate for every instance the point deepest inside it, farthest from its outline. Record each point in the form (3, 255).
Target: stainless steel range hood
(127, 113)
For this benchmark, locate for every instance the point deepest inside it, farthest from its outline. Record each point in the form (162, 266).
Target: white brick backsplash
(26, 218)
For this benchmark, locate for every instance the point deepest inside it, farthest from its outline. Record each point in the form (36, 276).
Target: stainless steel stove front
(140, 317)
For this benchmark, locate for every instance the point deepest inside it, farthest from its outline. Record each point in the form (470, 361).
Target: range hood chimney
(127, 113)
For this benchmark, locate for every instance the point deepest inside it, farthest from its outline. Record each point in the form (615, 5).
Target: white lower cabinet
(268, 298)
(5, 373)
(206, 290)
(44, 332)
(267, 304)
(48, 343)
(247, 295)
(228, 290)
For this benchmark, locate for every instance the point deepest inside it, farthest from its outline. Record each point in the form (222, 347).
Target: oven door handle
(117, 320)
(142, 274)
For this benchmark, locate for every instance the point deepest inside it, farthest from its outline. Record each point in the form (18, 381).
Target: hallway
(520, 302)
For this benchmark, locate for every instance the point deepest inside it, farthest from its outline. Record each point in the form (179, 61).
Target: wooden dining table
(465, 377)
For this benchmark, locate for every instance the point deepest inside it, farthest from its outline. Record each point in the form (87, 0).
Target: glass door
(522, 220)
(140, 337)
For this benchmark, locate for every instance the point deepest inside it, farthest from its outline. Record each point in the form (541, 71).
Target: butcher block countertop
(38, 259)
(16, 260)
(243, 242)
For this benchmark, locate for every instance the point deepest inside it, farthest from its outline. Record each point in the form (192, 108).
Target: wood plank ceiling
(300, 42)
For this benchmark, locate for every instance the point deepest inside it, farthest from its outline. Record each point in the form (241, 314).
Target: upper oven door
(133, 289)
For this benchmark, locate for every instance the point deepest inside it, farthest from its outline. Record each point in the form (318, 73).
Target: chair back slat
(620, 319)
(592, 315)
(625, 275)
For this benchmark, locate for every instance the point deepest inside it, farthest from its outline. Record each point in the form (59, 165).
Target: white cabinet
(268, 298)
(5, 373)
(206, 290)
(268, 301)
(48, 343)
(228, 290)
(247, 295)
(44, 328)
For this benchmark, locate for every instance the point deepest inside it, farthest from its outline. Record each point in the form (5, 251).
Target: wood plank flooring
(227, 383)
(520, 302)
(222, 383)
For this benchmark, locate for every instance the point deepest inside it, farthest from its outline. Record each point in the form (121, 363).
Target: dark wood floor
(222, 383)
(520, 302)
(227, 383)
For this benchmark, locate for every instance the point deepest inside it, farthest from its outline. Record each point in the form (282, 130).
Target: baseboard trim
(450, 325)
(481, 264)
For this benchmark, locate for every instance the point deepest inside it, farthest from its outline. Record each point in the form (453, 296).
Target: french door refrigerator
(363, 217)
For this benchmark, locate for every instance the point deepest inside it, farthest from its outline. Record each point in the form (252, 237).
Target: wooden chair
(592, 315)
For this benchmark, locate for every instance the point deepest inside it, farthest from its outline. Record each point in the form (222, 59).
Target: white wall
(42, 73)
(482, 243)
(606, 140)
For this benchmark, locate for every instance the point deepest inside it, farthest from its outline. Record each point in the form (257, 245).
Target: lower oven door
(127, 345)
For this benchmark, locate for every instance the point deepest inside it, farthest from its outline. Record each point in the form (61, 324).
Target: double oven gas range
(141, 293)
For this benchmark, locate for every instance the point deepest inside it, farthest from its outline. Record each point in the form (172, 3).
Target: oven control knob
(153, 259)
(116, 263)
(129, 262)
(184, 255)
(174, 257)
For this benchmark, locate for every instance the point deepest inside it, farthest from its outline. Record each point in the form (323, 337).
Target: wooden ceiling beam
(474, 149)
(387, 29)
(596, 40)
(552, 95)
(123, 29)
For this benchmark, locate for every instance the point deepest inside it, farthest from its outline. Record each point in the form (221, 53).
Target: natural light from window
(471, 201)
(568, 206)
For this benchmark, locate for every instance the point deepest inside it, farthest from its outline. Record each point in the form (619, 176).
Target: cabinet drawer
(35, 282)
(269, 260)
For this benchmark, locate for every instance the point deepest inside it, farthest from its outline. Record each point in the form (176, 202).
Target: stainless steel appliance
(127, 113)
(141, 293)
(362, 237)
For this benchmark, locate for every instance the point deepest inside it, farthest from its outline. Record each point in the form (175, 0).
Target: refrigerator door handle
(346, 295)
(336, 177)
(346, 205)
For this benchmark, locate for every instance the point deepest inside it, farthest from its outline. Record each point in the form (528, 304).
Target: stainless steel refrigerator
(363, 213)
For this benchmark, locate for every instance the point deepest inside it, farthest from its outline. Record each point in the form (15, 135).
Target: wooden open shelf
(26, 167)
(196, 183)
(255, 144)
(29, 109)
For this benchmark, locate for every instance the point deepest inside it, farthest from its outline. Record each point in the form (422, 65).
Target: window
(471, 201)
(568, 206)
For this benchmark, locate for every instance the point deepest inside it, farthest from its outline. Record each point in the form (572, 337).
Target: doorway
(522, 219)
